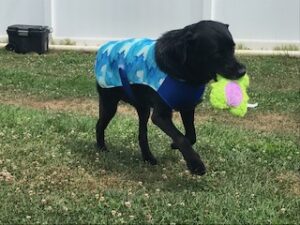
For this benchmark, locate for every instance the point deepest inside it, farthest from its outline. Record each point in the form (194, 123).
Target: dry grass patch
(64, 177)
(265, 122)
(292, 180)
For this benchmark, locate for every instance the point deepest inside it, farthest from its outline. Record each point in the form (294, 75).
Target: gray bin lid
(29, 28)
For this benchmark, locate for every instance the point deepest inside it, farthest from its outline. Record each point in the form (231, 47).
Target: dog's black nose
(241, 71)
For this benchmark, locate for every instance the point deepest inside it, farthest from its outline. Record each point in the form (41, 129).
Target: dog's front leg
(162, 117)
(187, 117)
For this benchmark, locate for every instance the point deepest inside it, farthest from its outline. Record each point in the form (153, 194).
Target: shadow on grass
(170, 174)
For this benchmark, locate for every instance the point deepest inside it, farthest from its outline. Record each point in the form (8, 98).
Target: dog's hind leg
(187, 117)
(108, 103)
(144, 113)
(162, 118)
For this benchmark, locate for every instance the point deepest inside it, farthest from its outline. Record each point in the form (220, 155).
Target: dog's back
(135, 56)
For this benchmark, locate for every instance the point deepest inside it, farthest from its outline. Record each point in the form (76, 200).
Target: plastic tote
(28, 38)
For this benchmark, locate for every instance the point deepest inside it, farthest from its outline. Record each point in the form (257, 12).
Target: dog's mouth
(233, 72)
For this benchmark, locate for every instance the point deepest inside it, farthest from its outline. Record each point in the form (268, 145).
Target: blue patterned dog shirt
(136, 57)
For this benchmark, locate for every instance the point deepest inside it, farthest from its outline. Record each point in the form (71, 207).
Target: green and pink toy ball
(230, 94)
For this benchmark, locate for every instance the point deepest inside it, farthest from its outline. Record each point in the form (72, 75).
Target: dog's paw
(101, 148)
(151, 160)
(196, 166)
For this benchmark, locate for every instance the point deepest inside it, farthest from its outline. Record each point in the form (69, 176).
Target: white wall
(22, 12)
(261, 20)
(123, 18)
(259, 23)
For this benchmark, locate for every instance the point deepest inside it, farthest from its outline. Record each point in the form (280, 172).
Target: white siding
(259, 23)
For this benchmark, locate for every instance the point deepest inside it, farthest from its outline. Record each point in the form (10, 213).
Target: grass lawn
(51, 173)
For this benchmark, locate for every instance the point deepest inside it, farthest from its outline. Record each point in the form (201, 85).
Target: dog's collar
(180, 95)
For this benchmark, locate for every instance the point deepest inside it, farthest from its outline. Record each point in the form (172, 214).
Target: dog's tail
(126, 85)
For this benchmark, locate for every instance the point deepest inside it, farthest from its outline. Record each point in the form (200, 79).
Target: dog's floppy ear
(172, 51)
(174, 45)
(183, 45)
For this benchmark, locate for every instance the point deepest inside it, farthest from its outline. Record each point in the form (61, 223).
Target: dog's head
(198, 52)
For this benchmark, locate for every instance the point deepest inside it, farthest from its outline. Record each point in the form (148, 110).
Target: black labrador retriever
(190, 57)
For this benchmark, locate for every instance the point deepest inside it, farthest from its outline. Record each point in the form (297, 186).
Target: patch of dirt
(292, 180)
(266, 122)
(80, 106)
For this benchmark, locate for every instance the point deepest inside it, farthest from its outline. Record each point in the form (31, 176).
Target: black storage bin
(27, 38)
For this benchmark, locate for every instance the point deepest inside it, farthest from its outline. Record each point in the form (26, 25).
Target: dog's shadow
(170, 173)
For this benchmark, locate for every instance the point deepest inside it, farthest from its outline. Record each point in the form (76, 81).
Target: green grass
(51, 173)
(48, 76)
